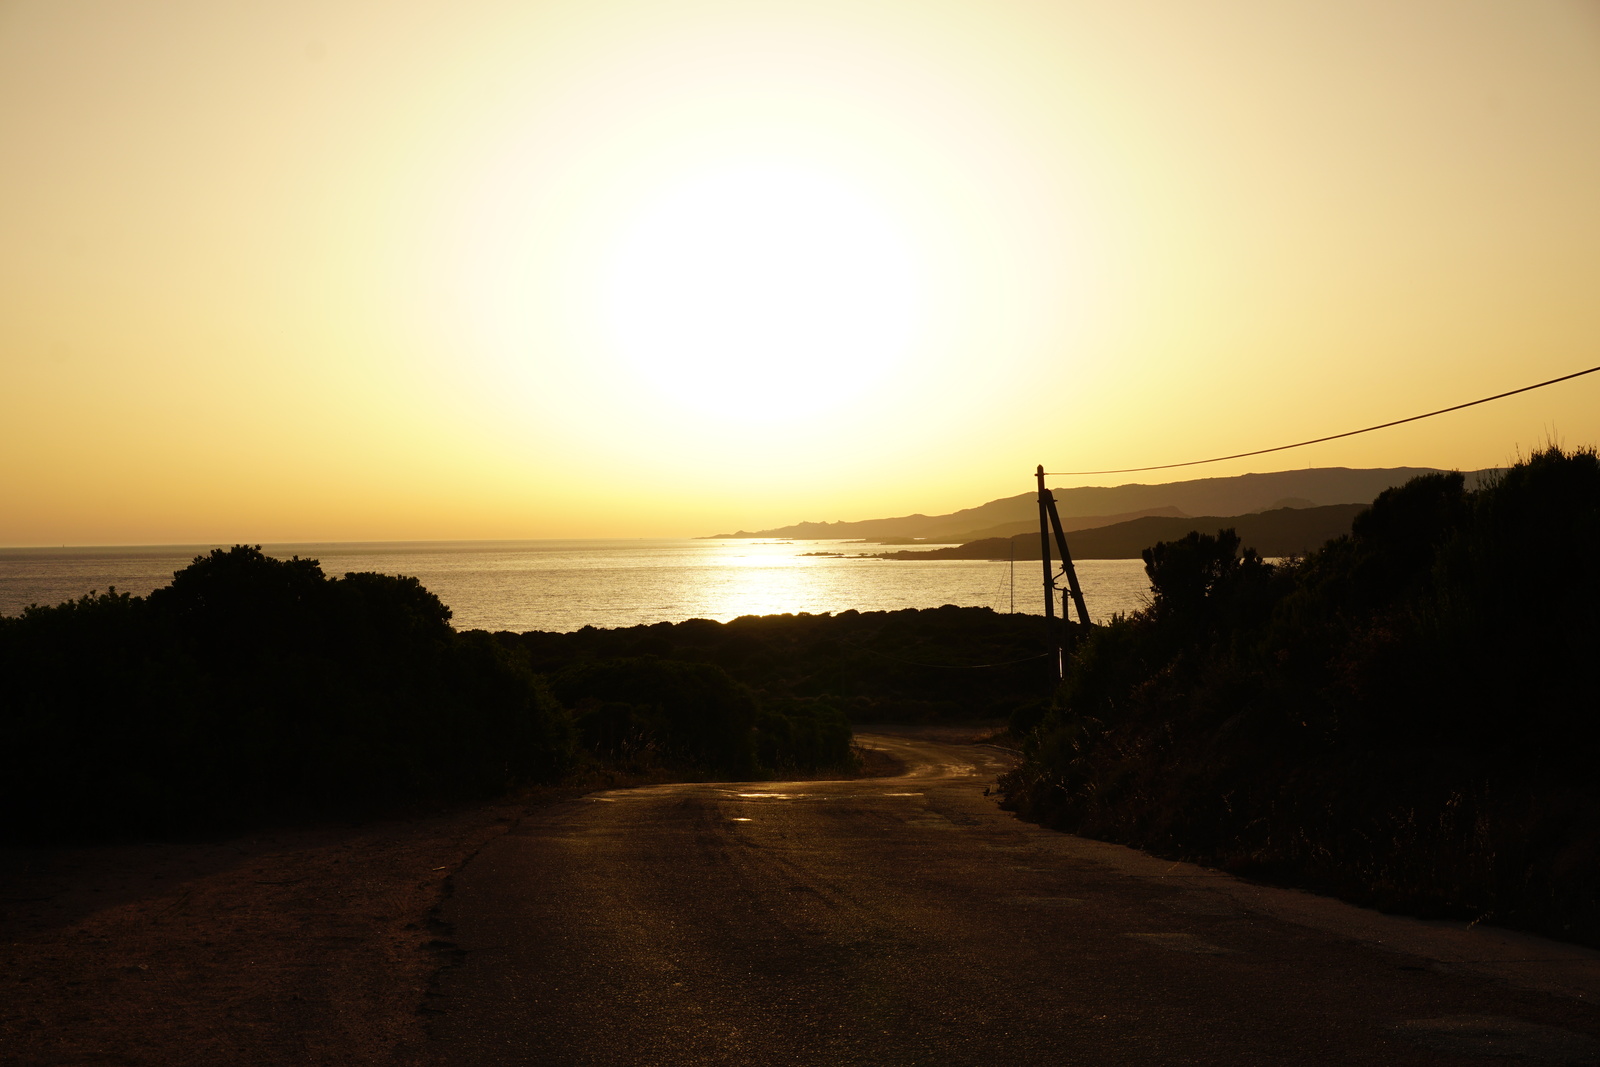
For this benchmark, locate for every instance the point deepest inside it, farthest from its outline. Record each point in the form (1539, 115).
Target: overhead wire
(1330, 437)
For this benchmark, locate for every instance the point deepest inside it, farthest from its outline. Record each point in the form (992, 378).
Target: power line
(1331, 437)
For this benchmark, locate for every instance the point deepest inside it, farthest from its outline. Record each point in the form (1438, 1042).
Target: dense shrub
(645, 707)
(801, 733)
(874, 666)
(777, 693)
(644, 712)
(254, 688)
(1407, 716)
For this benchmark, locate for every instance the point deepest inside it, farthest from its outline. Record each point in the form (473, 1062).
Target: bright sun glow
(761, 292)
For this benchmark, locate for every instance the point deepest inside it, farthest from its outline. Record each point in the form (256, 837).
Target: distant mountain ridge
(1237, 495)
(1068, 523)
(1279, 532)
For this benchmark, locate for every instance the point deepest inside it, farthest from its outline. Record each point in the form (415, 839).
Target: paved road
(909, 921)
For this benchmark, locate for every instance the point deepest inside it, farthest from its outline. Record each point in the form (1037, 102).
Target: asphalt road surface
(908, 920)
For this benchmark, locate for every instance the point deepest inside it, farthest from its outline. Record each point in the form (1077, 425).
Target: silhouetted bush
(647, 712)
(255, 688)
(1406, 716)
(642, 707)
(801, 734)
(874, 666)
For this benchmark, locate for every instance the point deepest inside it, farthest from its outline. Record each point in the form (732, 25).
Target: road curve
(909, 921)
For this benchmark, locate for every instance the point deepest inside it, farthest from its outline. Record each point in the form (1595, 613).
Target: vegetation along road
(908, 920)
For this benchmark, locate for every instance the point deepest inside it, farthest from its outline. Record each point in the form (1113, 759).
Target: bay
(560, 585)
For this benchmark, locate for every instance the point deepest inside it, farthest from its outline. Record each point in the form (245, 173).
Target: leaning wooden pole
(1067, 568)
(1046, 502)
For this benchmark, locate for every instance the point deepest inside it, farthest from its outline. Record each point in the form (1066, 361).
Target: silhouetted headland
(1091, 506)
(1281, 532)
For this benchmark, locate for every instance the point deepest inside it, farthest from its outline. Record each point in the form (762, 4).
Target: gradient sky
(278, 271)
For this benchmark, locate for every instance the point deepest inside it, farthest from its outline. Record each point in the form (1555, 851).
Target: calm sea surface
(565, 585)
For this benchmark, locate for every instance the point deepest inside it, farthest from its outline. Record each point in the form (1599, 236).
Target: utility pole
(1050, 522)
(1044, 547)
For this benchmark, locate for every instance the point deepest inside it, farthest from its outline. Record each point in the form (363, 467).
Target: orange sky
(385, 270)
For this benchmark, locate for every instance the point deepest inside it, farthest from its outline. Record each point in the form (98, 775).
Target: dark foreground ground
(290, 945)
(881, 921)
(909, 921)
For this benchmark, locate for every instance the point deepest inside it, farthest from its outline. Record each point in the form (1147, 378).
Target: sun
(760, 292)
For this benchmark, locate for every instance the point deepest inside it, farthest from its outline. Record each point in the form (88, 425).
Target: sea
(562, 586)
